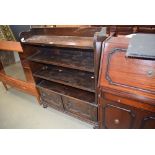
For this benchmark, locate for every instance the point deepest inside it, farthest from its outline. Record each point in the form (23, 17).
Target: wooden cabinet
(65, 66)
(126, 88)
(117, 115)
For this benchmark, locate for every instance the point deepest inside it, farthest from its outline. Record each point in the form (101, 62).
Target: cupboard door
(51, 99)
(148, 122)
(80, 108)
(117, 117)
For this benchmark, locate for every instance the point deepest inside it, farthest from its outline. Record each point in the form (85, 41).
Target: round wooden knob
(150, 73)
(116, 121)
(60, 70)
(119, 100)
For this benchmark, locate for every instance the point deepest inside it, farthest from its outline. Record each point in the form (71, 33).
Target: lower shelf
(67, 91)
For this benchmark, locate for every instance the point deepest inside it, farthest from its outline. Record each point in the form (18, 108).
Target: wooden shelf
(70, 77)
(68, 91)
(66, 58)
(61, 41)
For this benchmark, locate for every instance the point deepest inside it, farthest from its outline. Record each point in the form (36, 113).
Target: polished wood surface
(126, 88)
(19, 84)
(11, 46)
(117, 115)
(61, 41)
(127, 75)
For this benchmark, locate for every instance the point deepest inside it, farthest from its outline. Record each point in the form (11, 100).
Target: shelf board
(70, 77)
(79, 61)
(61, 41)
(68, 91)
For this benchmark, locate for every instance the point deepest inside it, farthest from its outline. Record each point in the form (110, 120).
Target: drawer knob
(116, 121)
(150, 73)
(119, 100)
(60, 70)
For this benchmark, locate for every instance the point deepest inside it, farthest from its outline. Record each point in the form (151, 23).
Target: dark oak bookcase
(65, 65)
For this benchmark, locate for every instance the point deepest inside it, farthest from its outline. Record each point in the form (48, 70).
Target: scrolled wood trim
(108, 78)
(129, 111)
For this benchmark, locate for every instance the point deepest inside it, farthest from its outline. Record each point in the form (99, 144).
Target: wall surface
(17, 29)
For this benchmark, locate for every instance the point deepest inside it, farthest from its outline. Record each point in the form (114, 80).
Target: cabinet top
(61, 41)
(61, 37)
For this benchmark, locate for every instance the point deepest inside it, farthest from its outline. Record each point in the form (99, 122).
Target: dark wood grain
(61, 41)
(72, 58)
(74, 78)
(65, 57)
(117, 115)
(126, 74)
(80, 108)
(67, 91)
(129, 29)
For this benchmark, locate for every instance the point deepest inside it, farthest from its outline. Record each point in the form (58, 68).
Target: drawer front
(52, 99)
(129, 102)
(80, 108)
(117, 117)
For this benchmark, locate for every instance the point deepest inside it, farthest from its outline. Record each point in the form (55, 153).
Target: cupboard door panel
(51, 99)
(116, 117)
(148, 122)
(80, 108)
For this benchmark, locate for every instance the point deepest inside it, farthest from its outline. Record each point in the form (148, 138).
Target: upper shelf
(70, 59)
(60, 41)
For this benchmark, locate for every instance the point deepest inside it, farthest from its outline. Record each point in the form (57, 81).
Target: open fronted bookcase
(65, 65)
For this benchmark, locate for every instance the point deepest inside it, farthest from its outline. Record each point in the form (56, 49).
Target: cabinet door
(51, 99)
(117, 117)
(80, 109)
(148, 121)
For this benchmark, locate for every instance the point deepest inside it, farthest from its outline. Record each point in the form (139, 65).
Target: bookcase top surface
(61, 41)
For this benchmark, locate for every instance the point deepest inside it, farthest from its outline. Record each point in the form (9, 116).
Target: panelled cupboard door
(148, 121)
(51, 99)
(117, 117)
(80, 108)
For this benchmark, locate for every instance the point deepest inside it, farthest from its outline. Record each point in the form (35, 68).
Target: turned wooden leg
(96, 126)
(45, 105)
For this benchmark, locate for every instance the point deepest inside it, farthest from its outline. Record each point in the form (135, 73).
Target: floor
(21, 111)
